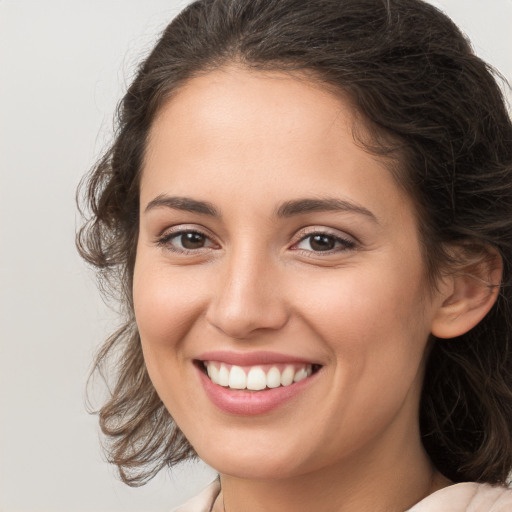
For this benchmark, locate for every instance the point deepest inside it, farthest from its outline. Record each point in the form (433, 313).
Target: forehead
(239, 131)
(233, 104)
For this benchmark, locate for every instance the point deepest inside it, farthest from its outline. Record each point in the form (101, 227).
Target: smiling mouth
(257, 377)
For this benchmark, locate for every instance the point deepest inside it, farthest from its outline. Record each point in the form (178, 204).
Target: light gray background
(63, 66)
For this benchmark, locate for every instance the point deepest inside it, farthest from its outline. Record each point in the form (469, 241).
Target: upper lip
(251, 358)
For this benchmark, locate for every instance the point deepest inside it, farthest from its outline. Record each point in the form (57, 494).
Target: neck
(389, 479)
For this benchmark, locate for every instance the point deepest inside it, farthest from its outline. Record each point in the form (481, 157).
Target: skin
(247, 142)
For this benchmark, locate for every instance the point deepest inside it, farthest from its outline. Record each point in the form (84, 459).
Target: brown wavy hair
(428, 103)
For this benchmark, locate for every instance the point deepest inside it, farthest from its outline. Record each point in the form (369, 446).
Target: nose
(249, 298)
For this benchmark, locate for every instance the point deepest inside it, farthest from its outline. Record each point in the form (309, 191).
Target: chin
(255, 465)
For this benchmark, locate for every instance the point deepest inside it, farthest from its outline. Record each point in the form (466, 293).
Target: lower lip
(249, 403)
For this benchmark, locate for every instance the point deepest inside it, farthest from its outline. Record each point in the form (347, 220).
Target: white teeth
(237, 378)
(223, 376)
(255, 378)
(287, 376)
(273, 377)
(301, 374)
(213, 372)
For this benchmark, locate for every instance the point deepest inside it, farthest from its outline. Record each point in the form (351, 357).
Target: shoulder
(203, 502)
(467, 497)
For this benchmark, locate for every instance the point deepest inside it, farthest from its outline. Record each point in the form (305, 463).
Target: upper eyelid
(347, 240)
(298, 236)
(167, 235)
(335, 237)
(323, 230)
(166, 238)
(183, 228)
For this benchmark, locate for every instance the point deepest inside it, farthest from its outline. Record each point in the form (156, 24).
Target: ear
(468, 293)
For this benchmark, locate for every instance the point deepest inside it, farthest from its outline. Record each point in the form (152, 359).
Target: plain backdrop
(63, 66)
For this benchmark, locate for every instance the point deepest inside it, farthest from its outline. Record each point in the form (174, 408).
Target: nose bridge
(248, 297)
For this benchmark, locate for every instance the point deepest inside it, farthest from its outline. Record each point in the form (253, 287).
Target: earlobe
(468, 295)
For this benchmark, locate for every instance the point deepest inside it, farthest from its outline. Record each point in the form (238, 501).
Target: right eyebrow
(182, 203)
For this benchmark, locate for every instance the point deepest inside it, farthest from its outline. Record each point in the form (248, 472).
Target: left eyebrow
(307, 205)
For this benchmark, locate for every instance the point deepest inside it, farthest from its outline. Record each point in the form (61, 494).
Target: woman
(307, 211)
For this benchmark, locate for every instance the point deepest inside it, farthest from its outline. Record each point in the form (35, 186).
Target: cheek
(376, 329)
(166, 303)
(165, 311)
(363, 301)
(374, 323)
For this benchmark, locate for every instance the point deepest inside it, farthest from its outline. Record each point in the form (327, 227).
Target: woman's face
(273, 248)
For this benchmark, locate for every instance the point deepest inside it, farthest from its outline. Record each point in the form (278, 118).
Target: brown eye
(322, 242)
(191, 240)
(186, 241)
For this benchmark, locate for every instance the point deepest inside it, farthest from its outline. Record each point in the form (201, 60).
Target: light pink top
(465, 497)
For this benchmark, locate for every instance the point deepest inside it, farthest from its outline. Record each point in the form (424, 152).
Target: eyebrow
(182, 203)
(287, 209)
(307, 205)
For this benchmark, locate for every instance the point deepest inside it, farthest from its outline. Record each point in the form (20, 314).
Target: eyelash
(345, 244)
(166, 239)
